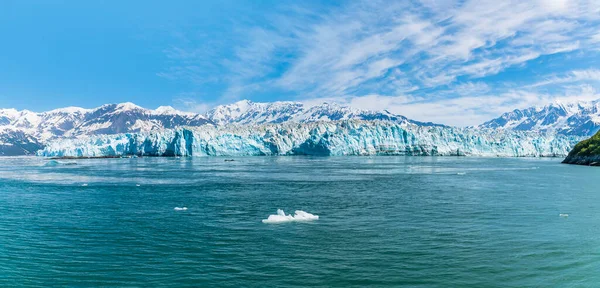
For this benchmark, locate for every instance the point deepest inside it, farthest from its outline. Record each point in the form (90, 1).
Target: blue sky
(453, 62)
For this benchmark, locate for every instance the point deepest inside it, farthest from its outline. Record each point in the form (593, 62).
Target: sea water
(382, 221)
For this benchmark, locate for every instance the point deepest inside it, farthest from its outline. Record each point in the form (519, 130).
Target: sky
(452, 62)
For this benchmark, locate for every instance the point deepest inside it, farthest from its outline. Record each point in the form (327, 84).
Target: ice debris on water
(180, 208)
(563, 215)
(53, 163)
(300, 215)
(84, 184)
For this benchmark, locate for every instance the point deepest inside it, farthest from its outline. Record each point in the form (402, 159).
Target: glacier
(286, 128)
(322, 138)
(24, 132)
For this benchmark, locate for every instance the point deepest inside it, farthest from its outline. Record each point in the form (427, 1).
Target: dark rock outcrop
(586, 152)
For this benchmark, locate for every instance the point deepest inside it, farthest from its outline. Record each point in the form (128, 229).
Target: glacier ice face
(330, 138)
(22, 132)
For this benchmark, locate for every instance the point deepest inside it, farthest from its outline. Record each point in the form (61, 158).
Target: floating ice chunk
(52, 163)
(84, 184)
(180, 208)
(299, 216)
(563, 215)
(137, 185)
(461, 173)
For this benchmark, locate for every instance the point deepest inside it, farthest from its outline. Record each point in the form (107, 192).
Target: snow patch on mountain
(247, 112)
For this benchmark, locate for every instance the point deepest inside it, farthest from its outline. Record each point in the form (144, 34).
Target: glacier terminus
(247, 128)
(322, 138)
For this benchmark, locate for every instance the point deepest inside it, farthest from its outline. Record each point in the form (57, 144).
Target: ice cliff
(352, 137)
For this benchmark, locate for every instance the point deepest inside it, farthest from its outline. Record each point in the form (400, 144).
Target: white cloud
(471, 88)
(475, 107)
(186, 102)
(570, 77)
(435, 54)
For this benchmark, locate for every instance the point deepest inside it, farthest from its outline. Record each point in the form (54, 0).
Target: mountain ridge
(24, 132)
(581, 118)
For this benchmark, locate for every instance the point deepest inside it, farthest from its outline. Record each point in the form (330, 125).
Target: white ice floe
(299, 216)
(84, 184)
(180, 208)
(52, 163)
(137, 185)
(563, 215)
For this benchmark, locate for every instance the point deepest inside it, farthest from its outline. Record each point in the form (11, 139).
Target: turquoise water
(384, 222)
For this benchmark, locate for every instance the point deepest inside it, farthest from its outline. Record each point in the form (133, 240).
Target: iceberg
(53, 163)
(329, 138)
(299, 215)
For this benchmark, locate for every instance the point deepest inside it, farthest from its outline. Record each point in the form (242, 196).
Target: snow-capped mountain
(580, 119)
(24, 132)
(15, 142)
(247, 112)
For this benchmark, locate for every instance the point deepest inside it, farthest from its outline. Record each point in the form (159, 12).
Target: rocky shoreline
(586, 152)
(583, 160)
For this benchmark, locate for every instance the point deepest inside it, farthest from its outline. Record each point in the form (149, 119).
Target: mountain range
(576, 119)
(24, 132)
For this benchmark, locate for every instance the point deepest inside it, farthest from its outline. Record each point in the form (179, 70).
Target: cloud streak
(571, 77)
(432, 57)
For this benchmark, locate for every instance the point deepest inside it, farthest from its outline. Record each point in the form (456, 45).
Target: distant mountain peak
(127, 106)
(70, 110)
(247, 112)
(168, 110)
(580, 118)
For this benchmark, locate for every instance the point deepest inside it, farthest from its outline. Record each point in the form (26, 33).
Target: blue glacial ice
(351, 137)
